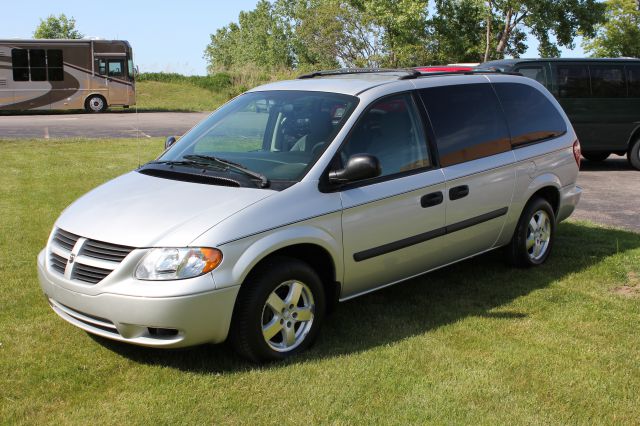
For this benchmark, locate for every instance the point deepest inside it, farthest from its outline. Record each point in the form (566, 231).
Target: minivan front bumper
(166, 322)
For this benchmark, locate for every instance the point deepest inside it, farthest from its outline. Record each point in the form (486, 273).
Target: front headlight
(177, 263)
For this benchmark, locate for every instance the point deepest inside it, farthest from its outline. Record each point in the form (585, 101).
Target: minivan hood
(144, 211)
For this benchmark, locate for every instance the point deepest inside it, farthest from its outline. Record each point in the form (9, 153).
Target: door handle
(431, 200)
(458, 192)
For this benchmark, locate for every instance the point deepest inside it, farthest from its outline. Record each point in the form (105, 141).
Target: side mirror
(359, 167)
(170, 141)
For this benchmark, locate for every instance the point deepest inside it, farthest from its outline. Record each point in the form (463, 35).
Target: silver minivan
(299, 194)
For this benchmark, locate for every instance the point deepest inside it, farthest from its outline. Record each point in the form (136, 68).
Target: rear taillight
(577, 152)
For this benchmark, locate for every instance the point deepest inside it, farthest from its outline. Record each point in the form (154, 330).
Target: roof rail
(410, 73)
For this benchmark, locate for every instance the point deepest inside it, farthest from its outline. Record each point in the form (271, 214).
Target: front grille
(89, 274)
(92, 260)
(83, 318)
(106, 251)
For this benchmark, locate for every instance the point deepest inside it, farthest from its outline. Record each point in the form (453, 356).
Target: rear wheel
(634, 155)
(95, 103)
(596, 156)
(533, 238)
(279, 311)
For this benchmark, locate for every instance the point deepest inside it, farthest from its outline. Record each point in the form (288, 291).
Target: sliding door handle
(458, 192)
(431, 200)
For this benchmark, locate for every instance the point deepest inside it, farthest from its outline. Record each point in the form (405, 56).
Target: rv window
(20, 64)
(54, 65)
(607, 81)
(116, 68)
(101, 64)
(38, 65)
(573, 81)
(634, 80)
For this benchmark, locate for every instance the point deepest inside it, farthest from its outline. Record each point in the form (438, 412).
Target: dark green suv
(600, 96)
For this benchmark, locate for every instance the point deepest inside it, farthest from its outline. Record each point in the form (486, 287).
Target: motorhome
(66, 74)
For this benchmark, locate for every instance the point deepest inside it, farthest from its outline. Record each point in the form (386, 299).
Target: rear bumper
(569, 198)
(167, 322)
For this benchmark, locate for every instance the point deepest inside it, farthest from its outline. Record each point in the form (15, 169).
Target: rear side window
(572, 81)
(20, 64)
(607, 81)
(633, 75)
(531, 116)
(467, 121)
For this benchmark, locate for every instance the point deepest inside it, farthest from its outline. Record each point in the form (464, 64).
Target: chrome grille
(92, 260)
(106, 251)
(89, 274)
(65, 239)
(58, 263)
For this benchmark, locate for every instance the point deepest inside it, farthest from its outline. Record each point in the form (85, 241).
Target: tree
(457, 31)
(260, 37)
(57, 27)
(620, 34)
(553, 22)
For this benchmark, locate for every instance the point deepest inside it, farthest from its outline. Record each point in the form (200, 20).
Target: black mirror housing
(359, 167)
(170, 141)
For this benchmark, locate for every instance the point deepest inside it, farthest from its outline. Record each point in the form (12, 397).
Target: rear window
(633, 75)
(467, 121)
(530, 115)
(607, 81)
(572, 81)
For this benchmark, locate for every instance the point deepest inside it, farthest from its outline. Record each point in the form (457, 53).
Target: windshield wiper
(180, 162)
(264, 181)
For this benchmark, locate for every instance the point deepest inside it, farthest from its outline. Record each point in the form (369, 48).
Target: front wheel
(533, 238)
(95, 103)
(279, 311)
(634, 155)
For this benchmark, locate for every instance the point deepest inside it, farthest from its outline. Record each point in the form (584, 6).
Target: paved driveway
(107, 125)
(611, 193)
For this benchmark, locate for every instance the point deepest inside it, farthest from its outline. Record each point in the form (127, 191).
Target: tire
(533, 238)
(95, 104)
(267, 324)
(634, 155)
(596, 156)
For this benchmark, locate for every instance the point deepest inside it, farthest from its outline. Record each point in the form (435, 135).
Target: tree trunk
(489, 16)
(504, 37)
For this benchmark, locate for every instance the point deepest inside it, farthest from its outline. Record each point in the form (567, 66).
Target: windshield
(278, 134)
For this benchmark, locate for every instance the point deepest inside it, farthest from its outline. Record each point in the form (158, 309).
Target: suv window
(572, 81)
(468, 122)
(607, 81)
(633, 75)
(531, 116)
(392, 131)
(534, 72)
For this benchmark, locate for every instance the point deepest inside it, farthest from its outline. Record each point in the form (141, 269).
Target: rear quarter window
(607, 81)
(467, 121)
(633, 76)
(530, 115)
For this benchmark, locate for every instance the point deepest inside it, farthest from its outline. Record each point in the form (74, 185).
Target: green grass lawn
(161, 96)
(477, 342)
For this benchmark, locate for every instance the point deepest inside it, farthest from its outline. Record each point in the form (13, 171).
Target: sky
(167, 36)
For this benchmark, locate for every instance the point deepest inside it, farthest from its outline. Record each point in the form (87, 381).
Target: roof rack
(408, 73)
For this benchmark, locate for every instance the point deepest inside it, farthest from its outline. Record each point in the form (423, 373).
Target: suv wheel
(279, 311)
(596, 156)
(634, 155)
(533, 238)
